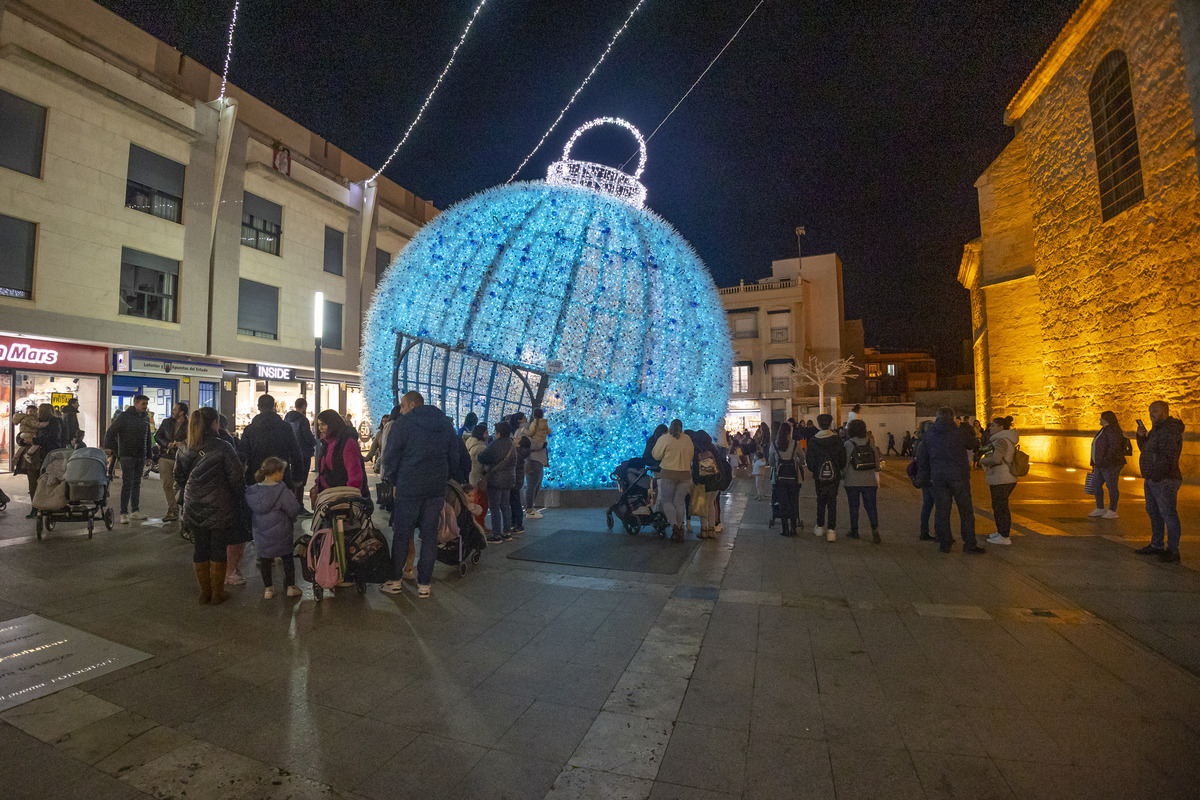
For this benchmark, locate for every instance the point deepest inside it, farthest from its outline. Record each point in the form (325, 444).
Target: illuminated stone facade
(1073, 313)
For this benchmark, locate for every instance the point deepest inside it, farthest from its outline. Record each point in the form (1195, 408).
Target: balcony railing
(784, 283)
(781, 384)
(779, 335)
(148, 200)
(745, 334)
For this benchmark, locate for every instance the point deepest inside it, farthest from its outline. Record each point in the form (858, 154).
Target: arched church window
(1115, 133)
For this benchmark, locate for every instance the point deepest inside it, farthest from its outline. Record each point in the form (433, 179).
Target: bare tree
(822, 374)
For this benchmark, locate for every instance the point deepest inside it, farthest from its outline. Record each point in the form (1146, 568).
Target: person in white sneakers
(1109, 448)
(997, 462)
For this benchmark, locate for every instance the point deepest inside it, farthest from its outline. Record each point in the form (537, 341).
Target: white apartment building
(157, 240)
(777, 323)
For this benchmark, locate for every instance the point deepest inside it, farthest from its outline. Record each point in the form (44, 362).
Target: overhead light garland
(570, 102)
(432, 91)
(697, 83)
(229, 50)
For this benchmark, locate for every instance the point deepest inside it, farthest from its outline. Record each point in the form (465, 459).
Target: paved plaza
(1062, 667)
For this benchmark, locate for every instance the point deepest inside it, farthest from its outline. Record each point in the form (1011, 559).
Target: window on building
(741, 379)
(1115, 132)
(22, 133)
(891, 370)
(745, 327)
(872, 370)
(332, 339)
(383, 260)
(781, 377)
(335, 245)
(262, 224)
(149, 285)
(154, 184)
(18, 239)
(258, 309)
(780, 324)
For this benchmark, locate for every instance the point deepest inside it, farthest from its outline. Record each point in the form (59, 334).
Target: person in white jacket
(997, 464)
(674, 452)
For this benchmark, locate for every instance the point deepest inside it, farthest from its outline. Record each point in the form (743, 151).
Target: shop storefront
(33, 371)
(165, 381)
(743, 415)
(288, 384)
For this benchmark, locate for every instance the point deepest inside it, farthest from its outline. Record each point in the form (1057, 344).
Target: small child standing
(762, 482)
(275, 510)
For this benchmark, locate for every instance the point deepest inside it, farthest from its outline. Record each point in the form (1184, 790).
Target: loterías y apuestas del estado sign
(24, 354)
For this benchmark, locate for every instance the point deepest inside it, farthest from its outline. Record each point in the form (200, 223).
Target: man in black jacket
(129, 438)
(71, 424)
(298, 419)
(268, 435)
(170, 435)
(423, 452)
(1159, 449)
(944, 465)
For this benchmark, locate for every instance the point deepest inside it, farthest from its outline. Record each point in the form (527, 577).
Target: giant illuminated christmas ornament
(566, 294)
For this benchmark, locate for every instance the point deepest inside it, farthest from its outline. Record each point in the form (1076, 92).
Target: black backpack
(724, 470)
(862, 458)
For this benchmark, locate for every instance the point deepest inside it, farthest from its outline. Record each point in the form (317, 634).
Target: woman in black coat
(213, 482)
(1108, 459)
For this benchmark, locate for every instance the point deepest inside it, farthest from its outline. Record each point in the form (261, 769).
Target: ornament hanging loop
(600, 177)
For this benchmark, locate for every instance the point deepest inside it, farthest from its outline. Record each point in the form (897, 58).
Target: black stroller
(358, 551)
(635, 506)
(73, 487)
(470, 542)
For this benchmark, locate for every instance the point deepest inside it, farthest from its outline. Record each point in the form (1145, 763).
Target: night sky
(866, 123)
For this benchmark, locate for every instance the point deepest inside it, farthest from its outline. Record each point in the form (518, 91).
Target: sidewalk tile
(644, 694)
(624, 744)
(780, 766)
(576, 783)
(706, 757)
(547, 730)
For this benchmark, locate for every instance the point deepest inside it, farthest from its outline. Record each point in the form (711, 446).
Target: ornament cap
(600, 177)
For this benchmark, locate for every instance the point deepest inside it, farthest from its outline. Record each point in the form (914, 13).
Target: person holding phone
(1159, 461)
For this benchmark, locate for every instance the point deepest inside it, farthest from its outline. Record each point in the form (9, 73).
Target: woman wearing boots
(786, 475)
(213, 481)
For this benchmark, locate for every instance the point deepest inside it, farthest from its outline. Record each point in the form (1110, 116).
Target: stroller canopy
(87, 465)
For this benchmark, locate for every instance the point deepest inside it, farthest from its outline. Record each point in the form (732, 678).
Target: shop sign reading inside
(270, 372)
(60, 356)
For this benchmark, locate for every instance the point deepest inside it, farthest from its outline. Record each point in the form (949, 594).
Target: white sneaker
(831, 536)
(533, 513)
(124, 519)
(1097, 512)
(392, 587)
(268, 593)
(138, 515)
(996, 538)
(1110, 515)
(424, 590)
(818, 531)
(294, 591)
(233, 579)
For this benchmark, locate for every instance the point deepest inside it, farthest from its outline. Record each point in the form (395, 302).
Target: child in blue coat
(275, 510)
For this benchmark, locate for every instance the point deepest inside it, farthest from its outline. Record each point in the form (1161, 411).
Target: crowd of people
(227, 491)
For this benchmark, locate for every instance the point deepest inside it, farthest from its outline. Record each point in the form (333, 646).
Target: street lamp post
(799, 255)
(318, 332)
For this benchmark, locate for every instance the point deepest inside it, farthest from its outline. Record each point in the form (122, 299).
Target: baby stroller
(635, 506)
(345, 546)
(73, 487)
(470, 542)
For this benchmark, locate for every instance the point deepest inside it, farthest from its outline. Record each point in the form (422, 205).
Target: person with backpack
(862, 477)
(423, 453)
(539, 459)
(786, 478)
(706, 477)
(997, 461)
(826, 458)
(944, 464)
(674, 451)
(275, 510)
(1160, 448)
(214, 484)
(298, 419)
(1109, 448)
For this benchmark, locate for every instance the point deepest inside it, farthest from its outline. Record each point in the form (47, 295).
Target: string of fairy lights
(229, 50)
(571, 102)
